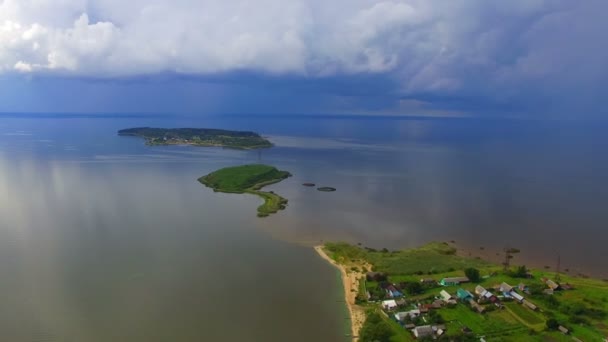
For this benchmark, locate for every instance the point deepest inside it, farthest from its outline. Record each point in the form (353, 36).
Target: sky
(525, 58)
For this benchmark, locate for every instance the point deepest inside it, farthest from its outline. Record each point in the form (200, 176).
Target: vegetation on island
(575, 308)
(198, 137)
(249, 179)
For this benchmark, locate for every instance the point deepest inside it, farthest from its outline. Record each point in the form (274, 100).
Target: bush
(520, 272)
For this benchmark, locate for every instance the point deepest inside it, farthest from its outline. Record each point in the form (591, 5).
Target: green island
(198, 137)
(249, 179)
(433, 293)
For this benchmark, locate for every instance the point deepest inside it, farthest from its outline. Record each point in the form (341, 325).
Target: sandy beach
(350, 279)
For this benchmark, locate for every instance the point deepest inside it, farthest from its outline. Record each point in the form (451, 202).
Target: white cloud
(23, 67)
(427, 45)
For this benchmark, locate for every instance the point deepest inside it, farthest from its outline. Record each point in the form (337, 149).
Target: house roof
(529, 304)
(553, 285)
(425, 329)
(479, 290)
(445, 295)
(504, 287)
(462, 293)
(401, 315)
(517, 296)
(389, 303)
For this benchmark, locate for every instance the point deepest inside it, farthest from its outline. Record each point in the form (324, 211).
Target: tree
(472, 274)
(552, 324)
(375, 329)
(413, 288)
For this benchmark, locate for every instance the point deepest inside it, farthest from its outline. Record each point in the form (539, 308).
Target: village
(426, 312)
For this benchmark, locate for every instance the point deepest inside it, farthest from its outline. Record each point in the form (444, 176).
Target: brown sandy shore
(350, 279)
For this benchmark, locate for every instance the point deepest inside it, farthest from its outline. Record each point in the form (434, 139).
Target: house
(552, 285)
(438, 329)
(401, 302)
(437, 304)
(389, 304)
(445, 295)
(410, 326)
(423, 331)
(392, 291)
(522, 287)
(566, 286)
(375, 276)
(463, 294)
(428, 281)
(480, 291)
(505, 288)
(453, 281)
(529, 305)
(476, 306)
(563, 329)
(400, 316)
(517, 296)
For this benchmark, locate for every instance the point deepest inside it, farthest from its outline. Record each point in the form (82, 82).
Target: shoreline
(350, 282)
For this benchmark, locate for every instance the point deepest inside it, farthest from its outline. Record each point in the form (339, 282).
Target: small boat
(309, 184)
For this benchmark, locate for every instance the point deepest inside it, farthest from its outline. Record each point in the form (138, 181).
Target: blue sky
(527, 58)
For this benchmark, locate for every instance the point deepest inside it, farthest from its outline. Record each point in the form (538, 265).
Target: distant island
(249, 179)
(198, 137)
(433, 293)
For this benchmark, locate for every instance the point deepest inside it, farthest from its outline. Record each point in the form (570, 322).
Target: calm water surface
(105, 239)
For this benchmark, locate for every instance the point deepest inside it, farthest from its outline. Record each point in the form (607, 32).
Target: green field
(249, 179)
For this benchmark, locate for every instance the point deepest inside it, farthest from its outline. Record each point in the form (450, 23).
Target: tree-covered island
(249, 179)
(198, 137)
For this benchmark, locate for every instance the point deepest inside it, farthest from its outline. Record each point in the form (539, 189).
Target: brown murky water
(105, 239)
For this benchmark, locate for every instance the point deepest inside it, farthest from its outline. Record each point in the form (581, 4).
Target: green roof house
(453, 281)
(464, 294)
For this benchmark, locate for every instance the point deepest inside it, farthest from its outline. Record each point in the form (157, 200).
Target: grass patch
(432, 258)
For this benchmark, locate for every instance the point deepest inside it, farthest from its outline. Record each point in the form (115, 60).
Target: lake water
(105, 239)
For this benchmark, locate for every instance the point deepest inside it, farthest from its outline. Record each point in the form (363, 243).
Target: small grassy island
(198, 137)
(249, 179)
(433, 293)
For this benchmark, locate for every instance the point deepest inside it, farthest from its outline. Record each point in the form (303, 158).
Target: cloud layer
(427, 47)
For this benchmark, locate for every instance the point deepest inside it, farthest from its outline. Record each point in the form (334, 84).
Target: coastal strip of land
(350, 280)
(249, 179)
(432, 292)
